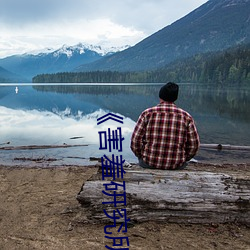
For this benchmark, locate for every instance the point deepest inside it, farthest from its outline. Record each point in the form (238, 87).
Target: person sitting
(165, 136)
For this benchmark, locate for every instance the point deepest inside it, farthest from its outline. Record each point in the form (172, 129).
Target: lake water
(56, 114)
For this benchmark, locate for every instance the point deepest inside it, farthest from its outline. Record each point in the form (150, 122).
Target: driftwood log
(224, 147)
(29, 147)
(171, 196)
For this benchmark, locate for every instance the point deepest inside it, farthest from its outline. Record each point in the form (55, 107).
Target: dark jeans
(145, 165)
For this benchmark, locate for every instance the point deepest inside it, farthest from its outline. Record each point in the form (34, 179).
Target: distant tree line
(91, 77)
(231, 66)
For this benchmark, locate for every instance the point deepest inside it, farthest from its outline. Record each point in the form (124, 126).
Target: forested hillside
(214, 26)
(231, 66)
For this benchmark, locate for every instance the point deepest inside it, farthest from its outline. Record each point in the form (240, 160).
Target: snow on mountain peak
(82, 48)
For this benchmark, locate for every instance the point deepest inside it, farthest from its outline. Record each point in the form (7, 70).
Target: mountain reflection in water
(45, 114)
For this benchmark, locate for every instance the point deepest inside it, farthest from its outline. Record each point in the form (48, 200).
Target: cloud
(51, 23)
(22, 12)
(38, 36)
(142, 14)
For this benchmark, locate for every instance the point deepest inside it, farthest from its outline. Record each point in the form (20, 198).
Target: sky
(33, 25)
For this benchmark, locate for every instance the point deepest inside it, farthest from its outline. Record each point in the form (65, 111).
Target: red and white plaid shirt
(165, 136)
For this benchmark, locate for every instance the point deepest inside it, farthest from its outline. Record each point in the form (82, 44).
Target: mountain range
(7, 76)
(214, 26)
(64, 59)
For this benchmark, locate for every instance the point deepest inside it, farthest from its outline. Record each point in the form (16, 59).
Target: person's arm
(193, 141)
(138, 136)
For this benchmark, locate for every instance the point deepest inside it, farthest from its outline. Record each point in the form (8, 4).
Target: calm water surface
(54, 114)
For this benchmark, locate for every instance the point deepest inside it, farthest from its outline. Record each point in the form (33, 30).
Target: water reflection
(227, 101)
(54, 113)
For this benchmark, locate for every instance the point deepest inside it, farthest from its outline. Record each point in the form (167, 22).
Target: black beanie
(169, 92)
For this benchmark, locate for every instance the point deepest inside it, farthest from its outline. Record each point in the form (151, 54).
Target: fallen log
(28, 147)
(171, 196)
(39, 159)
(224, 146)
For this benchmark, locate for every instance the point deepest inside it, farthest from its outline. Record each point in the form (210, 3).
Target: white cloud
(33, 24)
(37, 36)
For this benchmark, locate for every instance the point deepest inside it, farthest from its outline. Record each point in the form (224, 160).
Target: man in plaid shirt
(165, 136)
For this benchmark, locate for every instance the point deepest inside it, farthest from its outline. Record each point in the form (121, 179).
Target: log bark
(224, 147)
(171, 196)
(29, 147)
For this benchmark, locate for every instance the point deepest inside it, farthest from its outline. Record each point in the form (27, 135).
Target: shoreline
(194, 166)
(51, 158)
(39, 210)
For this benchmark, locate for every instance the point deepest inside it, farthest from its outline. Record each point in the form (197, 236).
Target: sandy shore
(38, 210)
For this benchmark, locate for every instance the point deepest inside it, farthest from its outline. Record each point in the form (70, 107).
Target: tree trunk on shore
(29, 147)
(171, 196)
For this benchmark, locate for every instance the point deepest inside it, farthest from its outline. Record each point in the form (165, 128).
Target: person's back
(165, 136)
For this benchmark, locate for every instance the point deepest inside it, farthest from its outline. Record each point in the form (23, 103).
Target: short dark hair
(169, 92)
